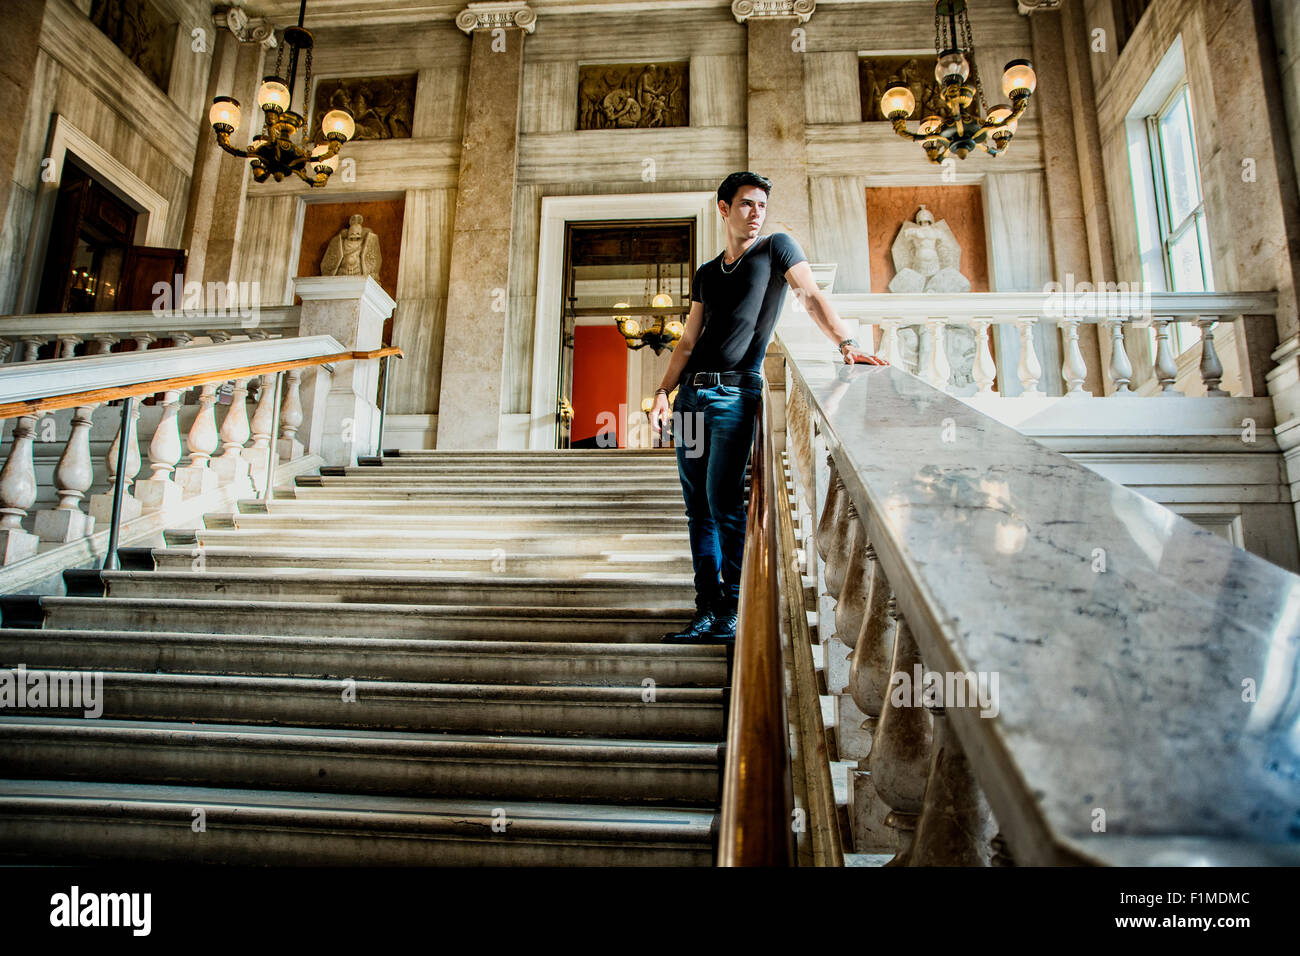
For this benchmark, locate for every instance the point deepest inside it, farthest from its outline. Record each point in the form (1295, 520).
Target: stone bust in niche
(927, 257)
(354, 251)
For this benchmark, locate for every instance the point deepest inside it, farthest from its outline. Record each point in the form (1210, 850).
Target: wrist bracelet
(658, 390)
(853, 342)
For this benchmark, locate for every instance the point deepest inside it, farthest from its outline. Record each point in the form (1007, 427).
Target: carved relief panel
(381, 106)
(915, 71)
(633, 95)
(141, 31)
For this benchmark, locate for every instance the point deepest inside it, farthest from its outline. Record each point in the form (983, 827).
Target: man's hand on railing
(853, 354)
(660, 412)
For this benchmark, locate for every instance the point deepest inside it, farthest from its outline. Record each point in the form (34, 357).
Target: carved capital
(497, 14)
(744, 10)
(246, 29)
(1027, 7)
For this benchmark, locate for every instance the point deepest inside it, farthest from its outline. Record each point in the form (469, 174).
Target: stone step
(356, 761)
(494, 503)
(647, 565)
(668, 713)
(510, 471)
(674, 593)
(69, 821)
(366, 657)
(526, 488)
(381, 515)
(256, 531)
(588, 456)
(414, 621)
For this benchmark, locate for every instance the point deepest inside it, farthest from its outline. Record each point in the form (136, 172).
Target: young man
(716, 368)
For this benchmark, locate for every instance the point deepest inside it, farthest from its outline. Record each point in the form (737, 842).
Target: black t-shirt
(741, 306)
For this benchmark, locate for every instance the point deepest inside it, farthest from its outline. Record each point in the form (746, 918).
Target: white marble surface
(1119, 691)
(22, 381)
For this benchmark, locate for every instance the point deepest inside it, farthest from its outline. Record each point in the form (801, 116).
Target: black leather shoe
(723, 628)
(691, 634)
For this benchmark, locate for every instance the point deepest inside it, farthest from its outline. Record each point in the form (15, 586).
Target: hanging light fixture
(661, 333)
(283, 148)
(968, 122)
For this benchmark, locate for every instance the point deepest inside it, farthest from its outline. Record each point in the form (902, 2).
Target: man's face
(746, 213)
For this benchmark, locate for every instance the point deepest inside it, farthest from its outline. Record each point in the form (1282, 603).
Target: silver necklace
(722, 263)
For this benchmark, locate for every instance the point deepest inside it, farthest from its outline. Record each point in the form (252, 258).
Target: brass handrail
(757, 792)
(33, 406)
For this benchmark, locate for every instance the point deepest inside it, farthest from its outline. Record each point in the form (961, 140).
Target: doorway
(91, 261)
(638, 271)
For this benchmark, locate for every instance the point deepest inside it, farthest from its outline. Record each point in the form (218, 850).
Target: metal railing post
(110, 558)
(383, 405)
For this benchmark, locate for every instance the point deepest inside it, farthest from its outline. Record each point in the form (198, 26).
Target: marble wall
(81, 75)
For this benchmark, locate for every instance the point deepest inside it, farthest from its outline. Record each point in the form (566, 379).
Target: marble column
(19, 45)
(1057, 103)
(470, 394)
(1261, 211)
(214, 218)
(776, 119)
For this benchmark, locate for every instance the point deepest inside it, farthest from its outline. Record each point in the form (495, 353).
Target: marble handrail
(126, 325)
(1146, 670)
(999, 307)
(23, 382)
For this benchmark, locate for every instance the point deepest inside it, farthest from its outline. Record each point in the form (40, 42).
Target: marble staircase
(436, 658)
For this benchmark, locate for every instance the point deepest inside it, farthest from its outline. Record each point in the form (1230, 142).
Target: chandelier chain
(279, 57)
(974, 71)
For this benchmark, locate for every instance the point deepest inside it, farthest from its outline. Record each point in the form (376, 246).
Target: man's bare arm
(823, 314)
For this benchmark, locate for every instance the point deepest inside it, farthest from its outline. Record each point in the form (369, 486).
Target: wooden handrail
(36, 406)
(757, 792)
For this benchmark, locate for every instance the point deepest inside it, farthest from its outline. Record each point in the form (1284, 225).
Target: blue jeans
(718, 423)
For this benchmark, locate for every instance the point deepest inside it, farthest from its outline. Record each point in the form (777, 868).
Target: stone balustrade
(1047, 667)
(96, 333)
(328, 411)
(985, 319)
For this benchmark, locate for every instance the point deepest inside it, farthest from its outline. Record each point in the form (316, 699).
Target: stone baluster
(985, 369)
(101, 505)
(1030, 370)
(956, 827)
(67, 345)
(18, 493)
(938, 370)
(851, 600)
(900, 751)
(259, 452)
(142, 340)
(31, 345)
(1211, 367)
(799, 427)
(1073, 369)
(159, 492)
(868, 682)
(73, 476)
(889, 349)
(102, 343)
(832, 534)
(197, 478)
(6, 349)
(1121, 369)
(1166, 366)
(291, 416)
(232, 467)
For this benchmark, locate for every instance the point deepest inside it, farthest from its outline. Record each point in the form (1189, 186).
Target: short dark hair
(730, 185)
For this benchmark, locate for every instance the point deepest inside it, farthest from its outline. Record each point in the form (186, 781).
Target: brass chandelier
(663, 329)
(283, 148)
(967, 121)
